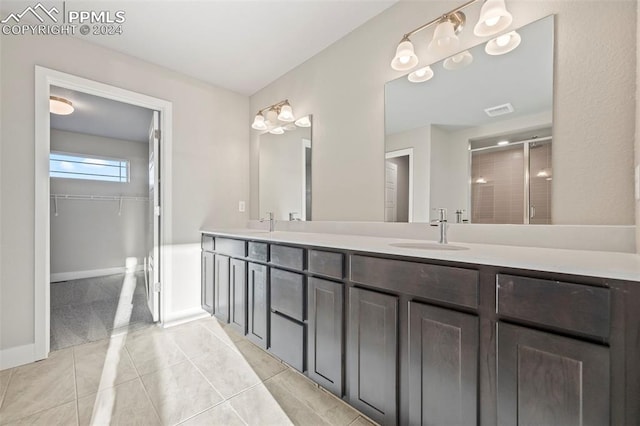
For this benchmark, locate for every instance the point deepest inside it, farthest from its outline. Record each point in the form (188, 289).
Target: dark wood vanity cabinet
(238, 295)
(257, 304)
(221, 288)
(443, 366)
(207, 281)
(419, 341)
(547, 379)
(372, 357)
(326, 335)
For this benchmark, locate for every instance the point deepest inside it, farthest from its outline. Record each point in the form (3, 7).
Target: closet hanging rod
(98, 197)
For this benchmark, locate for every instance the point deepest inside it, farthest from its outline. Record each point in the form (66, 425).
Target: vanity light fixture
(494, 18)
(503, 44)
(421, 74)
(60, 106)
(445, 36)
(280, 110)
(458, 61)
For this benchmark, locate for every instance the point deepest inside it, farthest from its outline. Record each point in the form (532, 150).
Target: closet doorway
(103, 180)
(110, 236)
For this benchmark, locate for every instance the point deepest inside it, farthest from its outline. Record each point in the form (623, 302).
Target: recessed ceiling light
(60, 106)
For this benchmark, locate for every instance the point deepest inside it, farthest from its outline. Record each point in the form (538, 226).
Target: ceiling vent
(499, 110)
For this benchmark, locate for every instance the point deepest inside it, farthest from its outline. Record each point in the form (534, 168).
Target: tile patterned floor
(199, 373)
(92, 309)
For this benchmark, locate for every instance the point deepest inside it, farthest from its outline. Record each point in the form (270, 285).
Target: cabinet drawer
(572, 307)
(207, 243)
(237, 248)
(289, 257)
(258, 251)
(287, 340)
(448, 284)
(326, 263)
(287, 293)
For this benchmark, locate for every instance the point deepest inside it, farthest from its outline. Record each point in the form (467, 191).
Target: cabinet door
(221, 288)
(207, 281)
(258, 308)
(373, 354)
(545, 379)
(325, 333)
(238, 296)
(443, 366)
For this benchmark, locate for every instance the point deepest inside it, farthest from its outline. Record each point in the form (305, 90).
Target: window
(74, 166)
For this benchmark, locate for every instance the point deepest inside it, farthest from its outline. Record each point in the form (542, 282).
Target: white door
(153, 236)
(390, 192)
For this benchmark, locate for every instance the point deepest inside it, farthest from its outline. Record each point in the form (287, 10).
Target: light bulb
(503, 44)
(492, 21)
(286, 113)
(276, 131)
(494, 18)
(421, 75)
(259, 123)
(458, 61)
(503, 40)
(405, 58)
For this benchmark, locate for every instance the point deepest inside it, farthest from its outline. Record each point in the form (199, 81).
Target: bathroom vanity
(415, 335)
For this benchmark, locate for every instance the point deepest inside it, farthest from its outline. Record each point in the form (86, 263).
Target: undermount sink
(428, 246)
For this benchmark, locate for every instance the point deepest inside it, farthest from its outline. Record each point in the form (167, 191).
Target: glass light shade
(303, 121)
(405, 58)
(420, 75)
(444, 40)
(458, 61)
(286, 114)
(277, 131)
(494, 18)
(289, 127)
(258, 123)
(60, 106)
(503, 44)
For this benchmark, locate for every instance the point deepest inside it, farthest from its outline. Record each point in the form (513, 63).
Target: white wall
(594, 108)
(89, 235)
(637, 144)
(420, 140)
(209, 162)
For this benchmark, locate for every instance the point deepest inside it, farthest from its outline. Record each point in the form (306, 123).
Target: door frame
(44, 79)
(402, 153)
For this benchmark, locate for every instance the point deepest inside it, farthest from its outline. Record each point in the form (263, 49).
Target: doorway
(47, 81)
(398, 189)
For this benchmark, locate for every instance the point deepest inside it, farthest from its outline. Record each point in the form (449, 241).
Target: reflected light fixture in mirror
(458, 61)
(60, 106)
(503, 44)
(421, 74)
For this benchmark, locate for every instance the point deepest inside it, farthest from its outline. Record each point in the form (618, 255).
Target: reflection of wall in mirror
(282, 174)
(419, 140)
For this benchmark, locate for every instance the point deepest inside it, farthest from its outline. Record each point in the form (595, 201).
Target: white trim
(79, 275)
(176, 318)
(19, 355)
(402, 153)
(44, 79)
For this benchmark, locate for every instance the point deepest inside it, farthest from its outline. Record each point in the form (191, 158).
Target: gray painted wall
(89, 234)
(594, 108)
(209, 160)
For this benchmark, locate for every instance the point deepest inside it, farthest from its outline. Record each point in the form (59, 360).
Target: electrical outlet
(241, 206)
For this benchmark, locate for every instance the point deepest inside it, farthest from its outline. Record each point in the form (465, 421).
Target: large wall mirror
(476, 138)
(285, 171)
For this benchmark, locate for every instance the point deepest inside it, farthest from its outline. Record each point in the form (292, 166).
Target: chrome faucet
(272, 221)
(442, 223)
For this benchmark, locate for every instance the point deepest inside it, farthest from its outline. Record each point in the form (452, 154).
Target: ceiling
(457, 99)
(238, 45)
(98, 116)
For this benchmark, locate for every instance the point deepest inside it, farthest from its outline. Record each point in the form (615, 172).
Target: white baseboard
(19, 355)
(186, 315)
(79, 275)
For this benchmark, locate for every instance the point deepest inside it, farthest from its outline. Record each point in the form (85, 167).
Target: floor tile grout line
(6, 389)
(144, 388)
(75, 384)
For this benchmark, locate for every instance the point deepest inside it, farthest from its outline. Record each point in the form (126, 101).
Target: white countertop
(614, 265)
